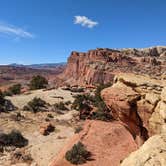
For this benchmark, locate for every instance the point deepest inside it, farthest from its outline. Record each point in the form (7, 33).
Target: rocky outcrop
(139, 102)
(153, 152)
(108, 142)
(100, 65)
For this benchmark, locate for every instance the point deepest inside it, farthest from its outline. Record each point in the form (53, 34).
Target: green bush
(60, 106)
(98, 101)
(77, 90)
(14, 138)
(85, 103)
(82, 101)
(15, 89)
(21, 156)
(5, 105)
(78, 154)
(100, 115)
(38, 82)
(78, 129)
(17, 116)
(2, 99)
(35, 105)
(7, 93)
(50, 116)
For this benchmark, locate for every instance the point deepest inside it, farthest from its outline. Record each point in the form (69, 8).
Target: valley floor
(41, 148)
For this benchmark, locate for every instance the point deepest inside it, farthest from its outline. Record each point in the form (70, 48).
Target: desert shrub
(81, 101)
(5, 105)
(38, 82)
(47, 119)
(98, 101)
(60, 106)
(14, 138)
(50, 116)
(100, 115)
(78, 154)
(21, 155)
(7, 93)
(2, 99)
(78, 129)
(16, 117)
(15, 89)
(35, 105)
(77, 90)
(85, 103)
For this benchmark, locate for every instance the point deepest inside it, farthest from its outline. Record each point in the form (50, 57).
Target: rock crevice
(138, 102)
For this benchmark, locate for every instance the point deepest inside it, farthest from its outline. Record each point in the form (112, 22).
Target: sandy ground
(49, 96)
(42, 148)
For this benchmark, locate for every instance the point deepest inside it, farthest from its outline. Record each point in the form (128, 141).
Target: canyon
(135, 98)
(136, 101)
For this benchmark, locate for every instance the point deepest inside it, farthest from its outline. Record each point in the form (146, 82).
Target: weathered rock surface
(108, 142)
(100, 65)
(139, 102)
(152, 152)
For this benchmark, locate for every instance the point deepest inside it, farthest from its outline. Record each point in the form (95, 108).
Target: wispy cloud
(85, 21)
(14, 31)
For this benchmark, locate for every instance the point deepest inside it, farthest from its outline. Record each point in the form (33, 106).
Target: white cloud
(85, 21)
(14, 31)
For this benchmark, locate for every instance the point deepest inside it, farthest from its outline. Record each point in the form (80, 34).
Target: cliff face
(139, 102)
(100, 65)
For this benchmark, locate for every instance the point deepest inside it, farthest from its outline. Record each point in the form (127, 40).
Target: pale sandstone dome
(151, 153)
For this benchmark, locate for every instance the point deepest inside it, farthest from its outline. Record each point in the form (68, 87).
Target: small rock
(46, 128)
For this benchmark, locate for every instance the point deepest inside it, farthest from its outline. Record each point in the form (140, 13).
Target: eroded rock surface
(139, 102)
(108, 142)
(152, 152)
(102, 64)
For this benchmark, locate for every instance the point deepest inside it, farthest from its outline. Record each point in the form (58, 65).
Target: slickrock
(152, 152)
(139, 102)
(108, 142)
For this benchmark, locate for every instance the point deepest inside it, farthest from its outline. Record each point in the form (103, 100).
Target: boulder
(46, 128)
(108, 142)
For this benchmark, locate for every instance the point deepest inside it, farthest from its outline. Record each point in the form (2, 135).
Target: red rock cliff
(100, 65)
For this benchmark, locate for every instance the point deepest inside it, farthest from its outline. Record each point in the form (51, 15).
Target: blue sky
(46, 31)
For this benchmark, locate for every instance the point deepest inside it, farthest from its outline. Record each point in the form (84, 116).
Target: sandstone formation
(139, 102)
(109, 144)
(153, 152)
(100, 65)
